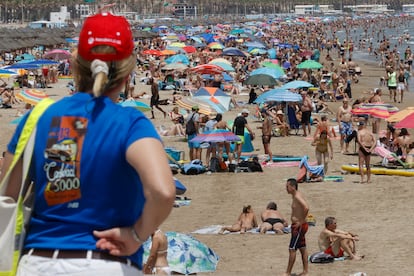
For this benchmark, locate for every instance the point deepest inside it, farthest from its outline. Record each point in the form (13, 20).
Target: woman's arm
(152, 258)
(147, 157)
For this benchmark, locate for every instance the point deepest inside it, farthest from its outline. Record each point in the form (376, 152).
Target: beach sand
(376, 211)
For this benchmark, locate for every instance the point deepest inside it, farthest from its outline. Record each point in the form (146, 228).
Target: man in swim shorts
(367, 143)
(335, 242)
(344, 119)
(300, 210)
(272, 220)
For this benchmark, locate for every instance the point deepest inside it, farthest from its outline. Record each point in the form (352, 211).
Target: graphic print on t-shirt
(63, 153)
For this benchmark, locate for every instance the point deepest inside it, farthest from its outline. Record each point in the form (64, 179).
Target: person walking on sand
(245, 222)
(266, 133)
(88, 219)
(367, 143)
(335, 242)
(344, 119)
(300, 210)
(306, 109)
(155, 97)
(323, 149)
(272, 219)
(238, 128)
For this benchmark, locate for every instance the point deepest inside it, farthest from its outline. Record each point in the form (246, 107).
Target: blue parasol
(186, 255)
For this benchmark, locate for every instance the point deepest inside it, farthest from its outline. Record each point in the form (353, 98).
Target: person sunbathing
(272, 220)
(245, 222)
(335, 242)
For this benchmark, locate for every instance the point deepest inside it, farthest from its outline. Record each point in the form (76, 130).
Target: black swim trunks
(273, 221)
(364, 152)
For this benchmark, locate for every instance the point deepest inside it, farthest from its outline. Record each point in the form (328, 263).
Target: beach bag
(214, 164)
(190, 128)
(14, 215)
(194, 167)
(321, 258)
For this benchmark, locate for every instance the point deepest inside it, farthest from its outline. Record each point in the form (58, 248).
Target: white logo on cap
(91, 40)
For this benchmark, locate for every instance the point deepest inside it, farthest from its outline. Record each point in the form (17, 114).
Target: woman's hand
(118, 241)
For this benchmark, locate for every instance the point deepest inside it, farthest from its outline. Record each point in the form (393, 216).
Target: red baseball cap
(105, 29)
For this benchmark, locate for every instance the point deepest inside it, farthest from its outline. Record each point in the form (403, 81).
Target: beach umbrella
(167, 52)
(309, 64)
(257, 51)
(220, 60)
(215, 97)
(6, 73)
(215, 136)
(188, 103)
(57, 54)
(43, 62)
(260, 79)
(273, 72)
(152, 52)
(270, 64)
(297, 84)
(225, 66)
(135, 104)
(25, 57)
(215, 45)
(255, 44)
(375, 110)
(398, 116)
(22, 66)
(189, 49)
(232, 51)
(179, 187)
(407, 122)
(186, 254)
(196, 39)
(175, 66)
(31, 96)
(226, 77)
(279, 95)
(177, 44)
(207, 69)
(178, 59)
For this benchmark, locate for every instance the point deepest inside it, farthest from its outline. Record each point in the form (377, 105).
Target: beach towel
(178, 202)
(215, 229)
(285, 164)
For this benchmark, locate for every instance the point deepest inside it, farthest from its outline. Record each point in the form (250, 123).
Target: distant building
(368, 8)
(408, 8)
(182, 9)
(307, 9)
(61, 16)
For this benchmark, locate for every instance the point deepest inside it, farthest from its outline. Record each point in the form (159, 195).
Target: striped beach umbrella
(31, 96)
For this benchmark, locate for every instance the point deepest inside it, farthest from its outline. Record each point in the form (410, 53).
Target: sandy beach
(376, 211)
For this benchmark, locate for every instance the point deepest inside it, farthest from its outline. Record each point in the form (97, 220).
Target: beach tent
(215, 97)
(204, 108)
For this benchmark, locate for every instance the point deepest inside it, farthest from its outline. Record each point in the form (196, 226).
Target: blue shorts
(193, 145)
(346, 128)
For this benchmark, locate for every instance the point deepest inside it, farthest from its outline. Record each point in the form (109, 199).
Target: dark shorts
(154, 101)
(306, 115)
(364, 152)
(297, 239)
(392, 87)
(266, 139)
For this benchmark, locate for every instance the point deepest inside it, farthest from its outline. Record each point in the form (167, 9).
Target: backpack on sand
(321, 258)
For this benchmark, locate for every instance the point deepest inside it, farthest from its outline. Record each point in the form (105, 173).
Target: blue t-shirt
(83, 181)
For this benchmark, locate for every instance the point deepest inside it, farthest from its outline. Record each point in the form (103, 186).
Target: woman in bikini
(323, 149)
(245, 222)
(157, 261)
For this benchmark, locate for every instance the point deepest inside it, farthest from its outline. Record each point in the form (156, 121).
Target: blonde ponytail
(100, 73)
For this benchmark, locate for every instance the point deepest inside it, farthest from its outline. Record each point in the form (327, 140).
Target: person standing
(238, 128)
(367, 144)
(306, 109)
(155, 97)
(266, 133)
(323, 149)
(391, 78)
(194, 147)
(88, 219)
(300, 209)
(344, 119)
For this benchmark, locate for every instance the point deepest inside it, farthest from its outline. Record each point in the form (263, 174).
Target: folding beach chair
(389, 156)
(175, 158)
